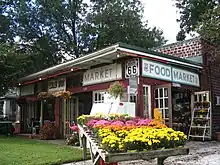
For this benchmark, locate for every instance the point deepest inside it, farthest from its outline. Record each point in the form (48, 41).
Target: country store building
(163, 81)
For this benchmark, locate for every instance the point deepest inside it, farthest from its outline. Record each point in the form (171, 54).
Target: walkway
(201, 153)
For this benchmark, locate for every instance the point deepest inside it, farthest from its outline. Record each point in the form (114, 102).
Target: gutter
(70, 63)
(158, 57)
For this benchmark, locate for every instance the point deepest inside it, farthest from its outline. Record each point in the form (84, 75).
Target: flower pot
(218, 136)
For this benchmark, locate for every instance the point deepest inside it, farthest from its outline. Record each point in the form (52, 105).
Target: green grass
(20, 151)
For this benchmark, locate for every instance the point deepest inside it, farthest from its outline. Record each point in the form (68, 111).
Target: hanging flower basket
(116, 90)
(44, 95)
(63, 94)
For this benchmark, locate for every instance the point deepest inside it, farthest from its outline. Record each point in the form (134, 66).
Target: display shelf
(201, 121)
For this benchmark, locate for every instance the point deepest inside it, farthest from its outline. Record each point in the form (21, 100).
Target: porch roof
(105, 56)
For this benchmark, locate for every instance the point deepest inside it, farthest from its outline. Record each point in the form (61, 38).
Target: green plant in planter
(116, 90)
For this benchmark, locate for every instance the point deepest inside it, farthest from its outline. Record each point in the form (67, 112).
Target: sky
(162, 14)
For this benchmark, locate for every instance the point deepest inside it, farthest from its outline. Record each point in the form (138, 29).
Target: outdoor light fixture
(19, 84)
(71, 69)
(118, 55)
(40, 78)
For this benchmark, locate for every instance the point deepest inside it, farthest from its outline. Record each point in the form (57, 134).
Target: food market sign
(165, 72)
(102, 74)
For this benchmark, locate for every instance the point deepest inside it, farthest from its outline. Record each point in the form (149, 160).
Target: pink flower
(91, 123)
(130, 123)
(136, 119)
(144, 122)
(118, 123)
(101, 123)
(74, 128)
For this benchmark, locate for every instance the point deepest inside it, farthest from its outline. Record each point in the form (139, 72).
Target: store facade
(153, 80)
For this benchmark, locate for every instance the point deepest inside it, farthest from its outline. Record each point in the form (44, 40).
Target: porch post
(41, 112)
(57, 113)
(64, 117)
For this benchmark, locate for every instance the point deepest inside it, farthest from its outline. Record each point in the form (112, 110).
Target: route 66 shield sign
(132, 68)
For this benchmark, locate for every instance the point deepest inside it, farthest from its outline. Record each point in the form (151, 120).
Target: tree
(47, 31)
(111, 21)
(209, 26)
(4, 24)
(191, 13)
(51, 30)
(13, 64)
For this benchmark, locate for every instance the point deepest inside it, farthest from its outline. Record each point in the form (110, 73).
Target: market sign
(185, 77)
(57, 85)
(102, 74)
(165, 72)
(27, 90)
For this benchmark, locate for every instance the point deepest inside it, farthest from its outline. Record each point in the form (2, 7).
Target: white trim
(163, 97)
(99, 92)
(149, 100)
(158, 57)
(113, 51)
(79, 60)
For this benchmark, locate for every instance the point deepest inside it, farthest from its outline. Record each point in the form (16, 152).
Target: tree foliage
(13, 64)
(209, 26)
(192, 13)
(42, 33)
(111, 21)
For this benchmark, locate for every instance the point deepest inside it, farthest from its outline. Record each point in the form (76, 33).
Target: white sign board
(133, 85)
(156, 70)
(132, 68)
(57, 85)
(114, 108)
(27, 90)
(185, 77)
(165, 72)
(102, 74)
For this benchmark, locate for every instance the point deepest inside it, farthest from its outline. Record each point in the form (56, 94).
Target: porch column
(57, 112)
(64, 117)
(41, 112)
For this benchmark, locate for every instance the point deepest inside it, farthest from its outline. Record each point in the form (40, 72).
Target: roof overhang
(104, 56)
(160, 58)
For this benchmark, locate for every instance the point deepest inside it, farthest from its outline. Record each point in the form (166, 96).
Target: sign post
(133, 85)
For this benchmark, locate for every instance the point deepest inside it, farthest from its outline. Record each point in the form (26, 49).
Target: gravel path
(201, 153)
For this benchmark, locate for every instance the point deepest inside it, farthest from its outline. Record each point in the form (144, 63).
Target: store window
(161, 98)
(147, 101)
(98, 96)
(132, 98)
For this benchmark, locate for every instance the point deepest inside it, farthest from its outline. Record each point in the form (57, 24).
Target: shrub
(47, 131)
(73, 140)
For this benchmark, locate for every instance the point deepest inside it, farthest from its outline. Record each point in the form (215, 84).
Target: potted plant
(116, 90)
(63, 94)
(44, 95)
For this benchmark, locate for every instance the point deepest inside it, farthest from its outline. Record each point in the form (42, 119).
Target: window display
(181, 110)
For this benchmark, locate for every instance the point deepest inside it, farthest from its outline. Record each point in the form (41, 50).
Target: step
(200, 136)
(200, 126)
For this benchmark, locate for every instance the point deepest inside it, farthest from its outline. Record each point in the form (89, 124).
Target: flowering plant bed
(124, 135)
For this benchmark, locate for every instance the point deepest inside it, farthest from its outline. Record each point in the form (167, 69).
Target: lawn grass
(20, 151)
